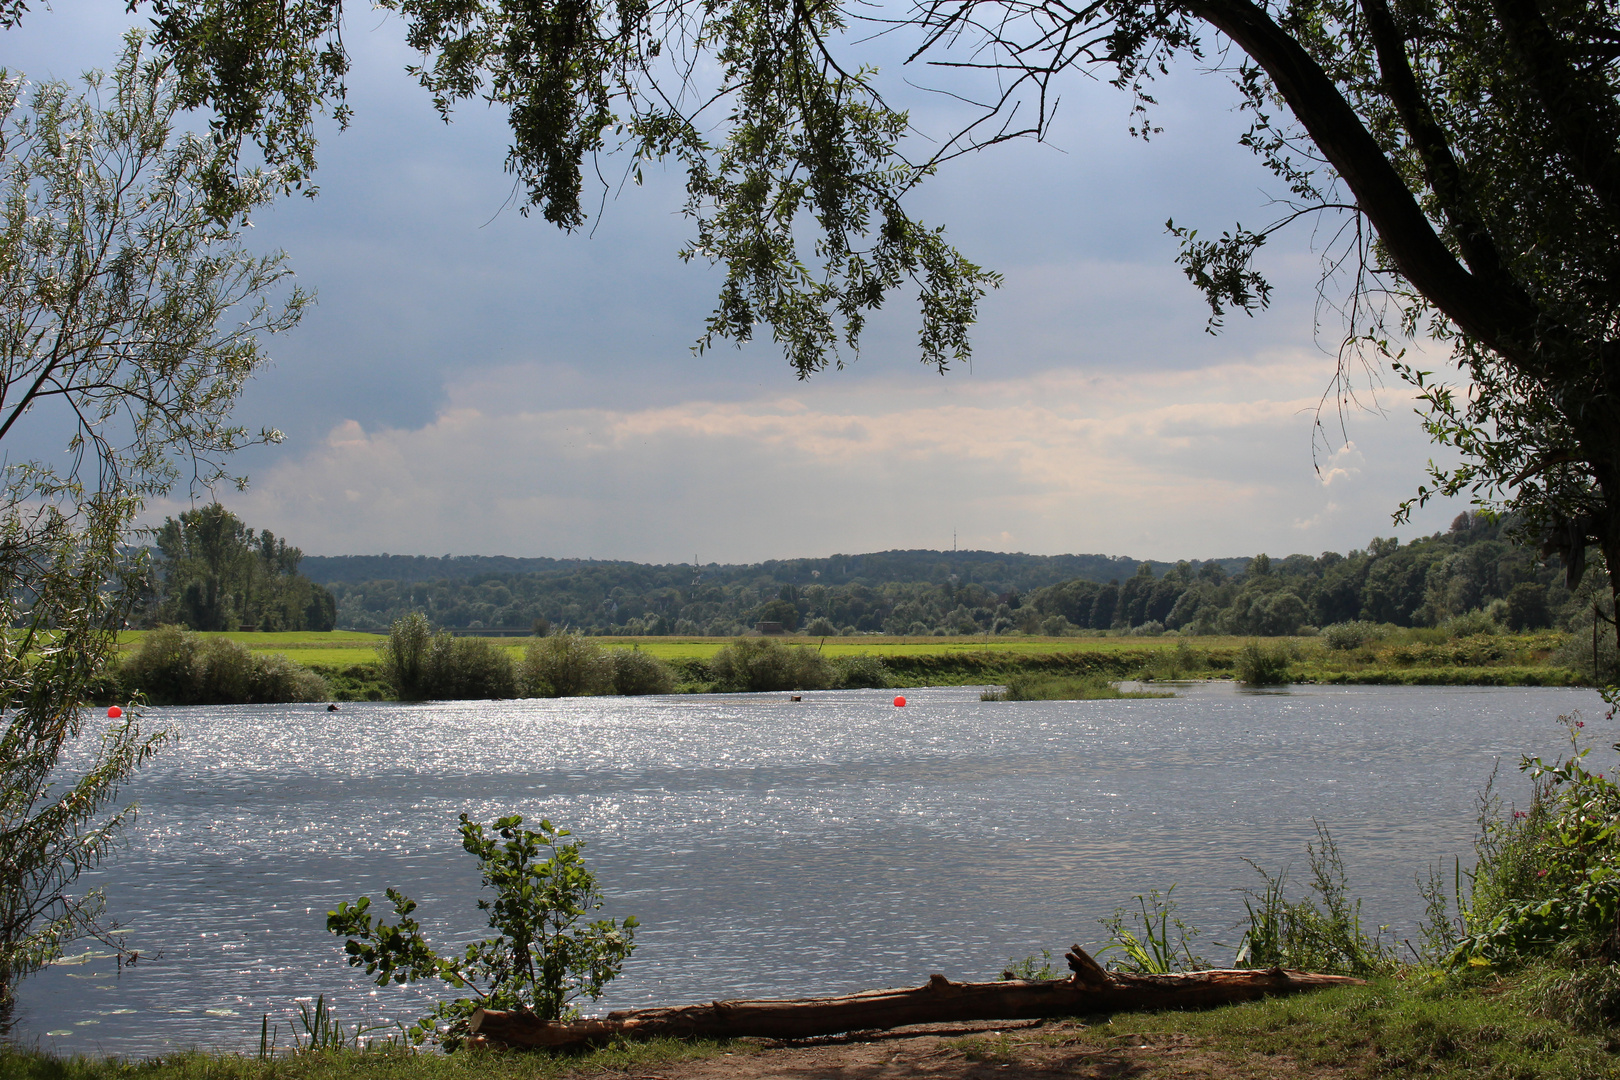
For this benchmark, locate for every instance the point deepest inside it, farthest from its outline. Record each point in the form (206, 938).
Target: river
(769, 847)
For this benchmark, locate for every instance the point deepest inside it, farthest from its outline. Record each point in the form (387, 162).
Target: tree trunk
(1091, 990)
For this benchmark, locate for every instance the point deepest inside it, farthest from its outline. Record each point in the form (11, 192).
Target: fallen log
(1089, 991)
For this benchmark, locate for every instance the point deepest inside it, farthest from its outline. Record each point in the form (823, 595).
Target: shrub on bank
(1259, 665)
(421, 665)
(565, 665)
(636, 672)
(760, 665)
(172, 666)
(1345, 636)
(469, 668)
(860, 672)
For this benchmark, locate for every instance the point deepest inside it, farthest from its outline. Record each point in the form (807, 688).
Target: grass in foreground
(376, 1064)
(1469, 1027)
(1463, 1027)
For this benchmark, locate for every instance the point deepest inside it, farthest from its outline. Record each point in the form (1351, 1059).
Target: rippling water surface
(768, 847)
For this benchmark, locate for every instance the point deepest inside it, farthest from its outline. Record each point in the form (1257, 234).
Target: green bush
(421, 665)
(760, 664)
(565, 665)
(1547, 884)
(860, 672)
(541, 959)
(1258, 665)
(1470, 623)
(1351, 635)
(174, 667)
(404, 656)
(1592, 656)
(469, 668)
(636, 672)
(1548, 877)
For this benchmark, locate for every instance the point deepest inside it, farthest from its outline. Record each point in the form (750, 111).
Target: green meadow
(1416, 656)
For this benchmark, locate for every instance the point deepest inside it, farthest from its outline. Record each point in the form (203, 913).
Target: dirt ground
(985, 1051)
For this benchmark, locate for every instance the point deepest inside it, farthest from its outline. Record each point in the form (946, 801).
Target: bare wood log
(1091, 990)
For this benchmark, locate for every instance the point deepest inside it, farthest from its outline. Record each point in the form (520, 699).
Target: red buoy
(899, 702)
(114, 713)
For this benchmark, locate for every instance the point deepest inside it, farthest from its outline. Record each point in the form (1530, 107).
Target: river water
(769, 847)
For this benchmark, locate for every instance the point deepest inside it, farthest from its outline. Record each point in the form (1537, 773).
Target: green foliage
(377, 1059)
(118, 351)
(637, 672)
(174, 667)
(1548, 877)
(1433, 580)
(860, 671)
(57, 778)
(215, 573)
(1472, 622)
(1591, 648)
(1262, 665)
(1322, 933)
(542, 959)
(1044, 687)
(566, 665)
(421, 665)
(117, 284)
(1152, 939)
(761, 664)
(1031, 967)
(404, 656)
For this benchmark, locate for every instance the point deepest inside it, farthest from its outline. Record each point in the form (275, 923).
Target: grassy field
(1404, 657)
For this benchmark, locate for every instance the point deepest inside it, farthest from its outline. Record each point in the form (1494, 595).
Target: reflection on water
(768, 847)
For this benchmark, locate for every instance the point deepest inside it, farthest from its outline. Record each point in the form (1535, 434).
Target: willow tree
(1468, 149)
(129, 323)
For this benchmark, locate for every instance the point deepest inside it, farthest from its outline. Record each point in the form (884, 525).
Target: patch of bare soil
(988, 1051)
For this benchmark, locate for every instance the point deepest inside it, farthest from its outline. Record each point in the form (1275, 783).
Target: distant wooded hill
(1472, 568)
(997, 571)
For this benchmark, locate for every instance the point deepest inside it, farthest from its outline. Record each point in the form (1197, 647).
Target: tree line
(1475, 566)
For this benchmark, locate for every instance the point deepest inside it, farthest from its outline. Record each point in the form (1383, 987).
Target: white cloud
(1167, 464)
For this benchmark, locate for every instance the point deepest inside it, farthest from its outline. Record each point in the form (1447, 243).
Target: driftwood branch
(1090, 990)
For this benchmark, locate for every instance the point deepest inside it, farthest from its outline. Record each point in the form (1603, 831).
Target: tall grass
(1320, 931)
(1035, 687)
(1152, 939)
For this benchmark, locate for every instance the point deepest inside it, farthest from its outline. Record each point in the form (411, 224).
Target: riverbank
(1412, 657)
(1464, 1027)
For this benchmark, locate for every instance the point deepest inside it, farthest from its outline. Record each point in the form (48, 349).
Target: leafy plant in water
(1258, 665)
(1152, 938)
(542, 958)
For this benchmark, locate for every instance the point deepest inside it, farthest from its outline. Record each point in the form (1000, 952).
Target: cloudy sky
(475, 382)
